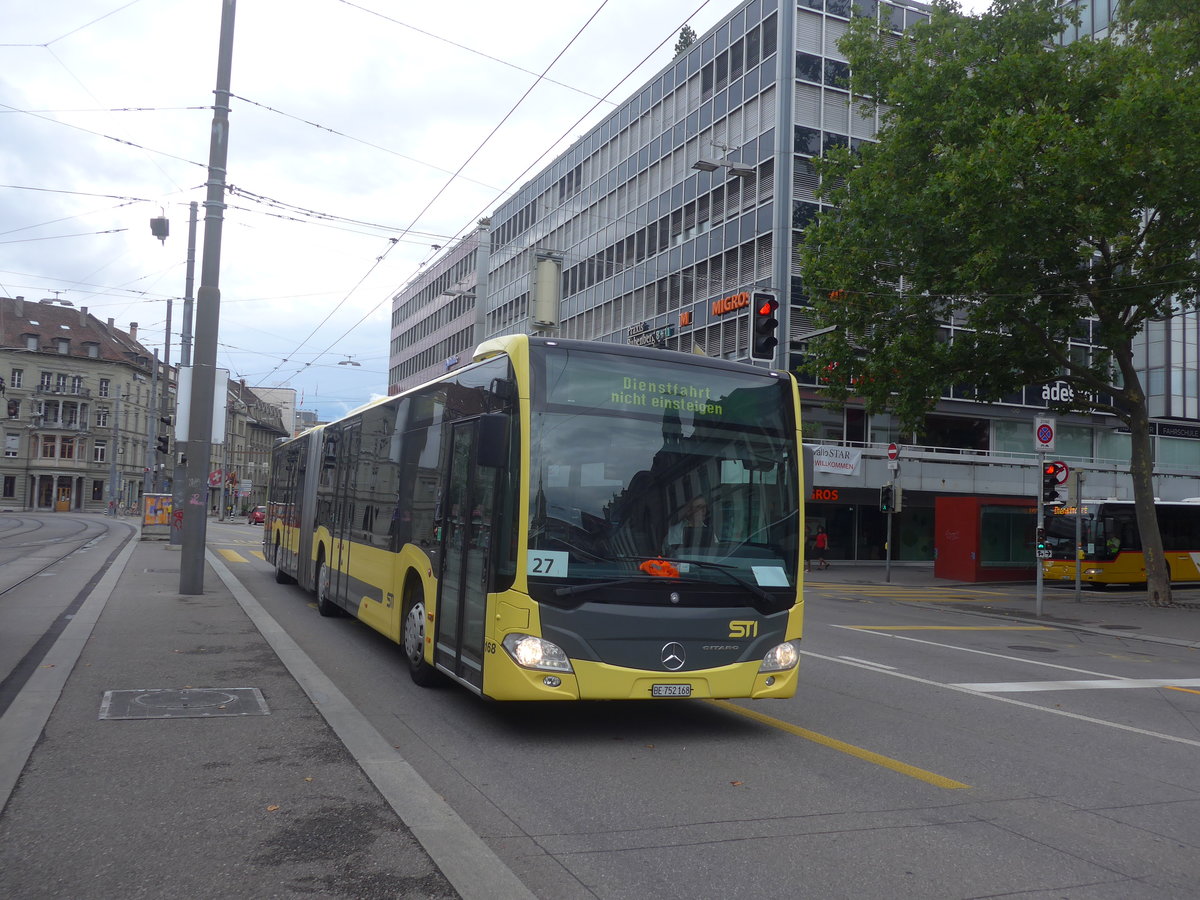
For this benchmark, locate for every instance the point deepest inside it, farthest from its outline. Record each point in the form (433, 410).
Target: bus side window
(1110, 539)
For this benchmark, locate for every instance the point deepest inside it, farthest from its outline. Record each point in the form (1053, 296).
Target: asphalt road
(928, 753)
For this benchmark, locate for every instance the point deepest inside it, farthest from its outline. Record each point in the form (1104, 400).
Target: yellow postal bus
(1112, 544)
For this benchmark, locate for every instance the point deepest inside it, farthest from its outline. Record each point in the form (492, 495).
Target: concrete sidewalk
(1118, 610)
(170, 745)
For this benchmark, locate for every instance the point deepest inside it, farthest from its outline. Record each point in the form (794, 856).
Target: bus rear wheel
(414, 638)
(325, 606)
(281, 577)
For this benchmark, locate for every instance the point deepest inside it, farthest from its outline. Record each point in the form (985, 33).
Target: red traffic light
(763, 326)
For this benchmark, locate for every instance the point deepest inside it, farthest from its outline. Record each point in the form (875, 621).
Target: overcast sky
(362, 134)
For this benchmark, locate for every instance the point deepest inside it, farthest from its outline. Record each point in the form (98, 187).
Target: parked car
(257, 516)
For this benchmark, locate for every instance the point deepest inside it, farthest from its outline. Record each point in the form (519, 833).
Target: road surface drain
(190, 703)
(1029, 648)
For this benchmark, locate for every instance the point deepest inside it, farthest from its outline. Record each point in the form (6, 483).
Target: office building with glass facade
(692, 194)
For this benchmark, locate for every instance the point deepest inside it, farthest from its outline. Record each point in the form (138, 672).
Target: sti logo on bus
(739, 628)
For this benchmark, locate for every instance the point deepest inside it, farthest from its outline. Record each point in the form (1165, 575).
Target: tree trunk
(1141, 471)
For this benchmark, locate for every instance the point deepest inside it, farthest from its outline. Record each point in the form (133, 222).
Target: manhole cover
(1029, 648)
(188, 703)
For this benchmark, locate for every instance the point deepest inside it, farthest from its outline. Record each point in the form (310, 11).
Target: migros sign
(731, 303)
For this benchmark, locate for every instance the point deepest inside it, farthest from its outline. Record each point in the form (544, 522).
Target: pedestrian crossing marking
(232, 555)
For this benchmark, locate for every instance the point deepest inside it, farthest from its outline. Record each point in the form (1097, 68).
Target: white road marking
(1020, 659)
(1017, 687)
(1033, 706)
(867, 662)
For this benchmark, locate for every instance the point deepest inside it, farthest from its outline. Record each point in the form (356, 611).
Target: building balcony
(66, 393)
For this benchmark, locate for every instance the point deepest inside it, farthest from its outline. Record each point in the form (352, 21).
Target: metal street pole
(1041, 523)
(208, 317)
(113, 493)
(179, 476)
(150, 476)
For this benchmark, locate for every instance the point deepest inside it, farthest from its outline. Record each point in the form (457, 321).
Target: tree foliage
(1028, 192)
(687, 37)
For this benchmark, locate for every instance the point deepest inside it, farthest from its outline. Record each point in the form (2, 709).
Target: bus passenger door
(466, 538)
(343, 518)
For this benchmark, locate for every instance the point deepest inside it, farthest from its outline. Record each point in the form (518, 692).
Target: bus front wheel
(414, 638)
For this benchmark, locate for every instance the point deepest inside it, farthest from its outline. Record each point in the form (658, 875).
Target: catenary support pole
(179, 478)
(208, 317)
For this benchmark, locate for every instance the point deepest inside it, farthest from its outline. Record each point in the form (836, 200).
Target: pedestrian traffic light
(763, 325)
(1050, 481)
(164, 443)
(886, 498)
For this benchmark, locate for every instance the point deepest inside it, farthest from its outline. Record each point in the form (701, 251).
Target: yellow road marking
(1171, 687)
(841, 746)
(232, 555)
(259, 554)
(898, 589)
(949, 627)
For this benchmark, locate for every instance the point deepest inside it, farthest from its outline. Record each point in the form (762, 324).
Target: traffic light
(763, 325)
(1050, 481)
(164, 443)
(887, 498)
(1042, 546)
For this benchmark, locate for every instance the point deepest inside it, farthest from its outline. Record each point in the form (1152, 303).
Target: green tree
(1018, 188)
(687, 37)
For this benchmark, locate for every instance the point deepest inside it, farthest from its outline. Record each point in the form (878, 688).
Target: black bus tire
(422, 672)
(281, 577)
(325, 606)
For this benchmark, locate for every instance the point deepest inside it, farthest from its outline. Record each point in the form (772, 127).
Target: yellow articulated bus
(561, 520)
(1111, 545)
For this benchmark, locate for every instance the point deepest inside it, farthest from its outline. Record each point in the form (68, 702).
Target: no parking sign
(1043, 434)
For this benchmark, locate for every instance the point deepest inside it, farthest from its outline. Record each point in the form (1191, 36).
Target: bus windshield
(635, 463)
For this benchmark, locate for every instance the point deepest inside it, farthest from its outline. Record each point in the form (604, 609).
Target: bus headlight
(781, 657)
(534, 653)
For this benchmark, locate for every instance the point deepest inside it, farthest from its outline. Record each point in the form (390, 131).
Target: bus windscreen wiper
(737, 579)
(594, 585)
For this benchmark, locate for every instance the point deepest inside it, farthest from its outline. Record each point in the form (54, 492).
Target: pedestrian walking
(820, 547)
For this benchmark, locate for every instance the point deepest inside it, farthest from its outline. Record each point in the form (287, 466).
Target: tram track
(86, 534)
(90, 534)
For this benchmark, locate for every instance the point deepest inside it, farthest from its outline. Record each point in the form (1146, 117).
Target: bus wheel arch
(413, 632)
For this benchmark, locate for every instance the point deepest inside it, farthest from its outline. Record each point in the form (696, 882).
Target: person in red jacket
(820, 546)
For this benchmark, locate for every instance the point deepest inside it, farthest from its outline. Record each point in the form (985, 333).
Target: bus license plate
(670, 690)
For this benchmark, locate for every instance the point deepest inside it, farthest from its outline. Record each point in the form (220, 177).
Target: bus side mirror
(502, 394)
(492, 447)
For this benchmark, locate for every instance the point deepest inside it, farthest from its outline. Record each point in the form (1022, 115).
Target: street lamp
(711, 165)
